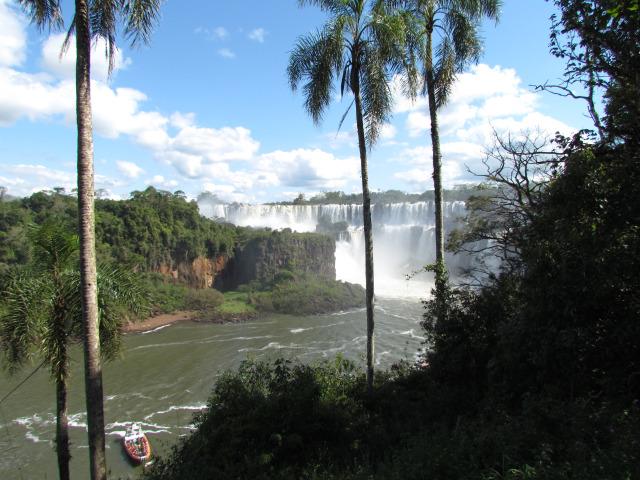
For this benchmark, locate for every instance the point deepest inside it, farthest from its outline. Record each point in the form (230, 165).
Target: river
(166, 375)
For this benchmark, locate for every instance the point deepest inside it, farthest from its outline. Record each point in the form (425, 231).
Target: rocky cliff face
(201, 272)
(260, 258)
(263, 257)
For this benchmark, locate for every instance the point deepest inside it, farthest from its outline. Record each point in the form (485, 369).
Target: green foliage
(236, 303)
(306, 295)
(166, 296)
(42, 307)
(157, 228)
(152, 229)
(273, 421)
(203, 300)
(295, 293)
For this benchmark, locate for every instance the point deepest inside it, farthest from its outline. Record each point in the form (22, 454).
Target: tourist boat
(136, 444)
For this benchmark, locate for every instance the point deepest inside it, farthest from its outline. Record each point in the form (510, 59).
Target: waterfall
(403, 237)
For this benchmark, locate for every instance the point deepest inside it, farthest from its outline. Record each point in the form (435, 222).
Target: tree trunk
(93, 367)
(368, 240)
(62, 427)
(437, 178)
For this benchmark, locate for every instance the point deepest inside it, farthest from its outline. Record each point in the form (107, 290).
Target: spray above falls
(403, 237)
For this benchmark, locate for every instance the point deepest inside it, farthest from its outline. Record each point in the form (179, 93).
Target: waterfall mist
(403, 238)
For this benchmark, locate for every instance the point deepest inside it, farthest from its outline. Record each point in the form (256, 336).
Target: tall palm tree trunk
(368, 240)
(437, 169)
(437, 178)
(93, 367)
(62, 426)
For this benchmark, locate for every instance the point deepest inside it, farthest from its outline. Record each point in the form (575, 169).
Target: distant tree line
(458, 193)
(151, 228)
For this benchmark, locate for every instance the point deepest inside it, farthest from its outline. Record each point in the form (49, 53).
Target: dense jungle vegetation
(156, 228)
(534, 373)
(150, 229)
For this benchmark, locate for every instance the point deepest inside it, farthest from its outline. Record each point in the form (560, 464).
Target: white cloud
(226, 53)
(258, 35)
(33, 96)
(388, 132)
(25, 179)
(216, 145)
(129, 169)
(310, 168)
(161, 182)
(483, 100)
(13, 39)
(182, 120)
(482, 94)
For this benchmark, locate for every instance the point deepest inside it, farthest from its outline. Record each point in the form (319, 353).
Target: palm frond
(344, 115)
(25, 302)
(376, 94)
(316, 58)
(445, 70)
(54, 246)
(119, 294)
(67, 38)
(463, 34)
(43, 13)
(335, 7)
(141, 17)
(103, 18)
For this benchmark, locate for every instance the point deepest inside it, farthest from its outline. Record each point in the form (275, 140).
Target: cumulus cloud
(129, 169)
(484, 101)
(307, 168)
(25, 179)
(160, 182)
(13, 39)
(258, 35)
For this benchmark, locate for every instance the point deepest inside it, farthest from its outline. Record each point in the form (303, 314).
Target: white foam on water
(247, 338)
(300, 330)
(346, 312)
(75, 420)
(411, 333)
(174, 408)
(157, 329)
(273, 346)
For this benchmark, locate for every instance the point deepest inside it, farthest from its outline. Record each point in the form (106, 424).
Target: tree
(92, 20)
(43, 315)
(600, 41)
(448, 29)
(361, 45)
(518, 169)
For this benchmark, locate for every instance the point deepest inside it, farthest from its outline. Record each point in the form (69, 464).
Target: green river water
(166, 375)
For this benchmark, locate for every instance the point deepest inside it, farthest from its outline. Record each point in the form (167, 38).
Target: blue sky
(207, 107)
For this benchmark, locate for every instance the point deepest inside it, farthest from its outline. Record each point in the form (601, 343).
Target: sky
(207, 107)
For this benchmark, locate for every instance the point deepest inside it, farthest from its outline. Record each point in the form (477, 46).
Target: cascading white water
(403, 237)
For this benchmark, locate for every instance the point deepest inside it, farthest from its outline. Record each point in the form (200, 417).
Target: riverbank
(167, 319)
(160, 321)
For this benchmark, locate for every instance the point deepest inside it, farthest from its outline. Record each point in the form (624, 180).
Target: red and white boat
(136, 444)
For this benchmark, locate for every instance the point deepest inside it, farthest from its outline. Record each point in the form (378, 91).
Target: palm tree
(361, 45)
(93, 19)
(448, 28)
(43, 316)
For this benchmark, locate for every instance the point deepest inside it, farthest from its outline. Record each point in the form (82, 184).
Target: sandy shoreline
(159, 321)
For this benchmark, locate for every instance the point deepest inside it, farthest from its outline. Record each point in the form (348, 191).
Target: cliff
(201, 272)
(260, 257)
(267, 253)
